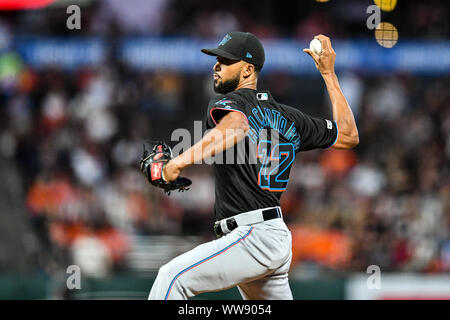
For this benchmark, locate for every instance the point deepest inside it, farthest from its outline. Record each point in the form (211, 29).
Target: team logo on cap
(225, 40)
(249, 55)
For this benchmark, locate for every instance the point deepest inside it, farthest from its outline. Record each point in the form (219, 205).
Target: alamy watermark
(74, 279)
(374, 280)
(269, 151)
(375, 16)
(74, 20)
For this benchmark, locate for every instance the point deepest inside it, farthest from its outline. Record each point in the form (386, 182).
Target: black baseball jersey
(254, 173)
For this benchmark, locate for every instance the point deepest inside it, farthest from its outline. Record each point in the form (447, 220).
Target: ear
(248, 70)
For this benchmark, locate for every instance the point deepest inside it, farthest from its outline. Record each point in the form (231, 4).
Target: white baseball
(315, 46)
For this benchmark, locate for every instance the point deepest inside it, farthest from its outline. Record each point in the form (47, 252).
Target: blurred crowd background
(209, 18)
(70, 142)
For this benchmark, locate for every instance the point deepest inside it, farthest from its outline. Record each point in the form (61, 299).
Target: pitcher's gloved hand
(152, 165)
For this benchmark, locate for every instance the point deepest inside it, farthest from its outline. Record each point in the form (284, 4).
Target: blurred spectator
(383, 203)
(77, 136)
(130, 17)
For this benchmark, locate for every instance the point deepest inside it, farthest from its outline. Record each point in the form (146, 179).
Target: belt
(227, 225)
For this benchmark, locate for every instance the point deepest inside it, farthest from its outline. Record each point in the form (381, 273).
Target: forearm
(227, 133)
(342, 113)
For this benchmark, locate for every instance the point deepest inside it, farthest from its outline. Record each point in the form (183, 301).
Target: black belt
(267, 214)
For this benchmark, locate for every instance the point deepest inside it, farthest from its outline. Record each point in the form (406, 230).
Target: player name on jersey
(271, 119)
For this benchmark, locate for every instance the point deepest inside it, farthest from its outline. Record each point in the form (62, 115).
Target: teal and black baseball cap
(240, 46)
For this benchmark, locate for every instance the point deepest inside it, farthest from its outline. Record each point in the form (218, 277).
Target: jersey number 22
(275, 165)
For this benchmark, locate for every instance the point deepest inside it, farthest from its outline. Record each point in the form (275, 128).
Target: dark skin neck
(249, 83)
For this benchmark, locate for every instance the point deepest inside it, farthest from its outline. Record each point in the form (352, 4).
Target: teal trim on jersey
(337, 135)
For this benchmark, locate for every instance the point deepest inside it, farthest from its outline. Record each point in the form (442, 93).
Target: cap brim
(220, 53)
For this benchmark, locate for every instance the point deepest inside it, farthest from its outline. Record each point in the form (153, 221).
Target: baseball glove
(152, 165)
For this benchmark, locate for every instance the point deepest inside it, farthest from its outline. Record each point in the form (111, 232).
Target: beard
(226, 86)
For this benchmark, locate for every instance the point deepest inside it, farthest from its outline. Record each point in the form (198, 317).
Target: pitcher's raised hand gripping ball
(152, 166)
(323, 54)
(342, 113)
(253, 251)
(316, 46)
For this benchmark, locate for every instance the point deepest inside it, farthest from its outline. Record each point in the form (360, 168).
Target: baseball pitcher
(253, 249)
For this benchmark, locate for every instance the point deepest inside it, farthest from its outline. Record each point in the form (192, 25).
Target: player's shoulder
(290, 110)
(228, 98)
(239, 96)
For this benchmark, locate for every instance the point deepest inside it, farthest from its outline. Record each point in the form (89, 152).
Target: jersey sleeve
(221, 105)
(315, 132)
